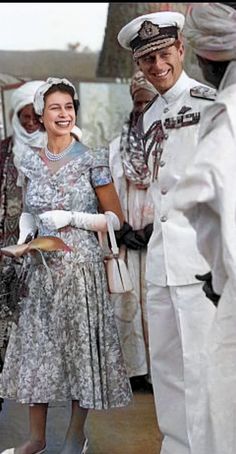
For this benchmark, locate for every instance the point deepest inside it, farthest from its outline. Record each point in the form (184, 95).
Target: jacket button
(163, 219)
(164, 191)
(162, 163)
(166, 136)
(166, 110)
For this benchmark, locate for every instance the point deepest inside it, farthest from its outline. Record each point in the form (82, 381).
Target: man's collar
(174, 92)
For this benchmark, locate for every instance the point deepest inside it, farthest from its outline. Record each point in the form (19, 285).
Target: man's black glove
(207, 287)
(133, 239)
(145, 233)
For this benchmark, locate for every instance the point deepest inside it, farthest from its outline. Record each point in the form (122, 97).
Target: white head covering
(21, 97)
(210, 29)
(39, 95)
(151, 32)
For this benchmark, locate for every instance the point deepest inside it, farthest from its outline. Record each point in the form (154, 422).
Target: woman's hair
(63, 88)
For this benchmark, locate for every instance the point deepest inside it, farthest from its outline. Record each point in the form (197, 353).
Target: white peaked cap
(151, 32)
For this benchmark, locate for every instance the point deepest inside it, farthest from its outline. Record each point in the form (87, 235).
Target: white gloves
(27, 226)
(94, 222)
(56, 219)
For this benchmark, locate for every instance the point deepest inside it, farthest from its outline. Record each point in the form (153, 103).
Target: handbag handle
(114, 247)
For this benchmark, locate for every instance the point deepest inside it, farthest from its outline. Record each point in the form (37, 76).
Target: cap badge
(148, 30)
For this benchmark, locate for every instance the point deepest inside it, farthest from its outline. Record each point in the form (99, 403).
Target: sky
(38, 26)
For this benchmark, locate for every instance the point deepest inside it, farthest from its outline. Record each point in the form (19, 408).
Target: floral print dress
(65, 344)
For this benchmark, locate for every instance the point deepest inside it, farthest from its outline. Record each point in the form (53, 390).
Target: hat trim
(151, 47)
(163, 32)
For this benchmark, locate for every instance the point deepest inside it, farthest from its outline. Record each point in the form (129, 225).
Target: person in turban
(26, 131)
(206, 194)
(133, 237)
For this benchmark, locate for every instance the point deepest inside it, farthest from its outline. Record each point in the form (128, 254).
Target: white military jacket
(173, 256)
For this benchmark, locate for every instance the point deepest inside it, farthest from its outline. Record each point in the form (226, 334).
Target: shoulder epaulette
(201, 91)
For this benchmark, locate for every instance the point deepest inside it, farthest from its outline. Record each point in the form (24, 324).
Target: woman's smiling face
(59, 113)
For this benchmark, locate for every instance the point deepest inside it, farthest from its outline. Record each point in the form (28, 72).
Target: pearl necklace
(56, 157)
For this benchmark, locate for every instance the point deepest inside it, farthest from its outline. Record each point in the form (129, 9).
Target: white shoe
(13, 451)
(85, 447)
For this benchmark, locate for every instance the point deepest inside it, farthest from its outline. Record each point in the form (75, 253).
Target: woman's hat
(39, 95)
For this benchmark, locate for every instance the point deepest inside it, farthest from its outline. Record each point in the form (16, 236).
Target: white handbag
(118, 277)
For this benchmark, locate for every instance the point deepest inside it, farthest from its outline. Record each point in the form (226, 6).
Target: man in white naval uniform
(207, 195)
(179, 314)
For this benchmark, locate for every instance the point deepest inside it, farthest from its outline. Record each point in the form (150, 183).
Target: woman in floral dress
(65, 344)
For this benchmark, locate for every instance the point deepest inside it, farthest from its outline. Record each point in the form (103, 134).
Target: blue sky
(36, 26)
